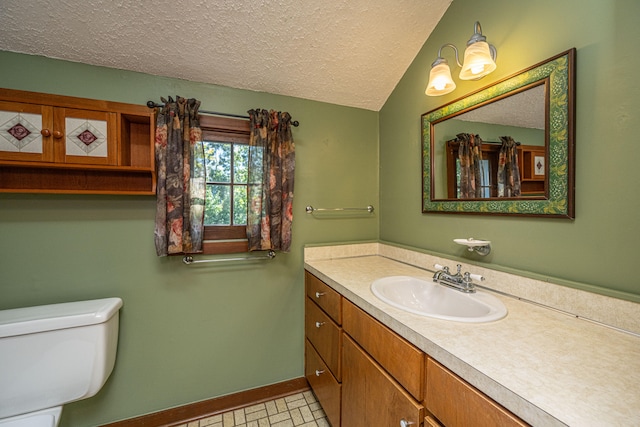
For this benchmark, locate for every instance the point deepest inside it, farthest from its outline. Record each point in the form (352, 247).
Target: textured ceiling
(525, 109)
(346, 52)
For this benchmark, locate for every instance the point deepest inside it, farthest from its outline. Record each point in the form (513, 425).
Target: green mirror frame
(559, 75)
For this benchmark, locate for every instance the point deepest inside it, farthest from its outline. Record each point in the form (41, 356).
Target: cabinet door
(397, 356)
(457, 404)
(26, 132)
(85, 137)
(370, 396)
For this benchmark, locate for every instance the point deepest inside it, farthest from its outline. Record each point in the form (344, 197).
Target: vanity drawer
(328, 299)
(405, 362)
(324, 385)
(456, 403)
(324, 335)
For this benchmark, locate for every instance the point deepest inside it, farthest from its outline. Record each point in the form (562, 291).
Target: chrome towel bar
(188, 259)
(311, 209)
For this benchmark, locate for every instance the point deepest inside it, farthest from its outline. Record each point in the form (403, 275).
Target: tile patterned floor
(297, 410)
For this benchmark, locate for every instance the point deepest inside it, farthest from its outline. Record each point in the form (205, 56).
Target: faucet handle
(469, 276)
(441, 267)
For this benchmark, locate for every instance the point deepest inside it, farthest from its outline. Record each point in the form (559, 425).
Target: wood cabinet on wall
(370, 376)
(60, 144)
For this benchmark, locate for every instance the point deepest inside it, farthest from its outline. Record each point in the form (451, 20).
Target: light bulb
(439, 84)
(477, 69)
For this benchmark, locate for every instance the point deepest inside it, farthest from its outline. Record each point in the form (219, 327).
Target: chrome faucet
(458, 281)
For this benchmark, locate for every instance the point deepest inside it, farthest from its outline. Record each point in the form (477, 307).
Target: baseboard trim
(206, 408)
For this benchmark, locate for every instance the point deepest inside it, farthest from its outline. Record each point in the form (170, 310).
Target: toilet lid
(42, 318)
(45, 420)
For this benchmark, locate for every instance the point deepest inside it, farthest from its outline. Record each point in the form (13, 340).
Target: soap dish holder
(482, 247)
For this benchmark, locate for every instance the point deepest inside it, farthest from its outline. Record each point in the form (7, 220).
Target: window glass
(226, 152)
(218, 161)
(226, 201)
(217, 209)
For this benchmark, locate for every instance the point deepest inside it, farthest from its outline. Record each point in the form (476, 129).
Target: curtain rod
(152, 104)
(499, 142)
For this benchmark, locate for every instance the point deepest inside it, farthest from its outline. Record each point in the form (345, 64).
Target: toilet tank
(55, 354)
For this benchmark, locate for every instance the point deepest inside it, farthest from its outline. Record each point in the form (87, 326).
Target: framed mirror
(533, 113)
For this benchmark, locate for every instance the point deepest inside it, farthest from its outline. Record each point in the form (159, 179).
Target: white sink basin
(428, 298)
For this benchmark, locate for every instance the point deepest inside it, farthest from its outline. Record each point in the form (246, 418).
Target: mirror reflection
(495, 150)
(505, 149)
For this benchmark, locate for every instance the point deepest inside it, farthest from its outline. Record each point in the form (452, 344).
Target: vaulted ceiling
(346, 52)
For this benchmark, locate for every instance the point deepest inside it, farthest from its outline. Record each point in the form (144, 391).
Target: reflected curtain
(508, 171)
(470, 157)
(270, 181)
(180, 174)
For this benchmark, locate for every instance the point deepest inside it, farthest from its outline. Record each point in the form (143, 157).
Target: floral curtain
(508, 171)
(470, 156)
(181, 178)
(271, 177)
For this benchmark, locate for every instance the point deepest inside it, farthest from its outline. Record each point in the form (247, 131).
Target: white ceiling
(525, 109)
(346, 52)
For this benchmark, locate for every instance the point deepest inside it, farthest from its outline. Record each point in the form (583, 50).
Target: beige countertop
(548, 367)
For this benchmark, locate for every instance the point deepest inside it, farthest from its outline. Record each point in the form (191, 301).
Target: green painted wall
(596, 251)
(187, 333)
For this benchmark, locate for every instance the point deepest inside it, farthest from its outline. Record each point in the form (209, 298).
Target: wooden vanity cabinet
(59, 144)
(371, 396)
(323, 345)
(365, 374)
(455, 403)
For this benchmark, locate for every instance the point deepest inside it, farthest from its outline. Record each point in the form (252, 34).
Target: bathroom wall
(598, 250)
(187, 333)
(192, 333)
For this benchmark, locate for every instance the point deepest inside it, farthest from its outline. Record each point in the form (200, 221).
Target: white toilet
(54, 354)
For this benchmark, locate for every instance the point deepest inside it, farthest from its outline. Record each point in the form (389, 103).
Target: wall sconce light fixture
(479, 60)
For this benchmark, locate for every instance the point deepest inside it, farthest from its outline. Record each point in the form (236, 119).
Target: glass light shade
(477, 61)
(440, 81)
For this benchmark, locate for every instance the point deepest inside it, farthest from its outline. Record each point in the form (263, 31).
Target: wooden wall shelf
(42, 151)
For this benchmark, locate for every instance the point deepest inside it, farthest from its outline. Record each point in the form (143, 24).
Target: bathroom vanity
(373, 364)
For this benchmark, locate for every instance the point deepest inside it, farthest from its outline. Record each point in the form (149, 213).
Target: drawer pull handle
(405, 423)
(319, 294)
(318, 324)
(319, 372)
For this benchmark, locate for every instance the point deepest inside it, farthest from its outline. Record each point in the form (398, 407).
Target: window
(226, 147)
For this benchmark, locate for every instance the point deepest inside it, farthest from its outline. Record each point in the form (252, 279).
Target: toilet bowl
(54, 354)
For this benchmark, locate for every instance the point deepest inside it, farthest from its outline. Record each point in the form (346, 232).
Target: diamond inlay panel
(20, 132)
(86, 137)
